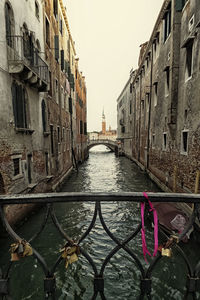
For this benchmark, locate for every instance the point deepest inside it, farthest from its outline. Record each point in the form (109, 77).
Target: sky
(108, 35)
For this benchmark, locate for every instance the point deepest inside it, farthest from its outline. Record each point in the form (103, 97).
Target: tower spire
(103, 122)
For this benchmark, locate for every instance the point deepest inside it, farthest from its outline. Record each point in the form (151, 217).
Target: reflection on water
(102, 172)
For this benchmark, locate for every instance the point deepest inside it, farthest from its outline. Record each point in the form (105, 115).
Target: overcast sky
(107, 35)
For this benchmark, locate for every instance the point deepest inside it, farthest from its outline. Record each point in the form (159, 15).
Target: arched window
(44, 119)
(20, 105)
(10, 29)
(28, 41)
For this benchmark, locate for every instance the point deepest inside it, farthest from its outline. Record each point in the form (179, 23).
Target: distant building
(103, 134)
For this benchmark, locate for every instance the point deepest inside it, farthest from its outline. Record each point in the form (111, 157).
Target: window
(155, 93)
(167, 79)
(37, 12)
(59, 138)
(44, 121)
(189, 59)
(167, 22)
(180, 4)
(184, 142)
(61, 26)
(52, 139)
(16, 165)
(56, 90)
(47, 32)
(156, 46)
(153, 140)
(9, 19)
(85, 128)
(47, 163)
(81, 127)
(50, 84)
(62, 97)
(164, 141)
(28, 47)
(130, 107)
(55, 7)
(123, 129)
(29, 169)
(20, 105)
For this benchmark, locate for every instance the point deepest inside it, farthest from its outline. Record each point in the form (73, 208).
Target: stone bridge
(112, 145)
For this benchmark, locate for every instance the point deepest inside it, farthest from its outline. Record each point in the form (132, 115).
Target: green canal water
(102, 172)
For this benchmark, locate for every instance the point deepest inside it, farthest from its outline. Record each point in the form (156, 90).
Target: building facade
(81, 115)
(38, 96)
(159, 108)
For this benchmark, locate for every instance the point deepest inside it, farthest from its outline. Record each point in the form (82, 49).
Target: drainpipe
(134, 131)
(139, 120)
(149, 119)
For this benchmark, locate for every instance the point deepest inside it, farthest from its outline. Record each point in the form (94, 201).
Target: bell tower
(103, 123)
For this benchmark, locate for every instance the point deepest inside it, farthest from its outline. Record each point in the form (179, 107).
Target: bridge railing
(74, 248)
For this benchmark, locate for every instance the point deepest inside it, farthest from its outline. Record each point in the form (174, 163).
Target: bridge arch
(112, 145)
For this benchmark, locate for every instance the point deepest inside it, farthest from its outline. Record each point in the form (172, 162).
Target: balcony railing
(192, 289)
(22, 53)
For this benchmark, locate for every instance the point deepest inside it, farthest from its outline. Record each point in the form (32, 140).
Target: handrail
(146, 275)
(92, 197)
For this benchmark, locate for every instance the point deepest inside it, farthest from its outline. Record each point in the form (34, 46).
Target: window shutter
(14, 101)
(81, 127)
(44, 115)
(85, 128)
(24, 103)
(8, 29)
(62, 60)
(179, 5)
(20, 107)
(56, 46)
(70, 105)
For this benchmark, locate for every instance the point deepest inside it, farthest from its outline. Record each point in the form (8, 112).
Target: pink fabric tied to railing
(144, 245)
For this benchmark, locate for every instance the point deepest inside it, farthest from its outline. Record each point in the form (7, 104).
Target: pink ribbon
(144, 245)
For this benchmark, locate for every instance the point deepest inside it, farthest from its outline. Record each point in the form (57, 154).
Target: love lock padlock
(20, 249)
(166, 252)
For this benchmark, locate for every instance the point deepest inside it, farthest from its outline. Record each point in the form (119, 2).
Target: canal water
(102, 172)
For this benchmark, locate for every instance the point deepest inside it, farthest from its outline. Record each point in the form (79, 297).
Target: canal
(102, 172)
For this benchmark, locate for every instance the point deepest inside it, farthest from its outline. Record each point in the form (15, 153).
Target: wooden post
(175, 179)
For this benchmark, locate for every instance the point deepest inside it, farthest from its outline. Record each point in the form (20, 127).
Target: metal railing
(74, 247)
(23, 51)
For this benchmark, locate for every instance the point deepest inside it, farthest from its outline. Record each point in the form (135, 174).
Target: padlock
(20, 249)
(166, 252)
(27, 250)
(15, 256)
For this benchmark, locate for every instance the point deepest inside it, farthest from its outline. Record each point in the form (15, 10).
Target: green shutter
(62, 60)
(179, 5)
(56, 46)
(70, 105)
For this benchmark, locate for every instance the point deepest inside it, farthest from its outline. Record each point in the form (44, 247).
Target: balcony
(146, 272)
(24, 59)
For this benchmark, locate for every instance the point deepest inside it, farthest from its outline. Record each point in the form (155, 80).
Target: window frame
(183, 151)
(19, 158)
(167, 23)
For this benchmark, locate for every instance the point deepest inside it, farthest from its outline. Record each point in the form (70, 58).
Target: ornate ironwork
(146, 277)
